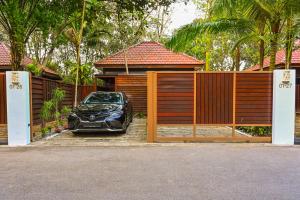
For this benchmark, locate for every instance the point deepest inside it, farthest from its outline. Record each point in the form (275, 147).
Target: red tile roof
(5, 60)
(148, 53)
(280, 58)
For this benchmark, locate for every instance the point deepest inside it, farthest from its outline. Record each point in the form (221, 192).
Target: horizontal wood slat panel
(175, 98)
(135, 87)
(42, 90)
(214, 98)
(254, 98)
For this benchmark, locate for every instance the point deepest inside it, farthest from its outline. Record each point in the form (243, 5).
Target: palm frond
(243, 40)
(190, 32)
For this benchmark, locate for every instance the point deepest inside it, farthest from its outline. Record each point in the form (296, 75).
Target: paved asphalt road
(187, 171)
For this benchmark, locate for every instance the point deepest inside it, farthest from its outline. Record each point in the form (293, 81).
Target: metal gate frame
(152, 124)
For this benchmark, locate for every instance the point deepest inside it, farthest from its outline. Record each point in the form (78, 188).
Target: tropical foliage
(274, 23)
(58, 32)
(52, 109)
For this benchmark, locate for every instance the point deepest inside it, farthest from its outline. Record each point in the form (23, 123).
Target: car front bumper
(100, 130)
(112, 125)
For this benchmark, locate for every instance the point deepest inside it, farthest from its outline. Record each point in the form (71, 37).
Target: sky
(182, 14)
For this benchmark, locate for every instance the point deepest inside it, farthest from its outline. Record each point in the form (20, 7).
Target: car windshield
(104, 98)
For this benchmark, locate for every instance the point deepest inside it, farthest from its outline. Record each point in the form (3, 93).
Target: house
(281, 60)
(5, 63)
(280, 64)
(142, 57)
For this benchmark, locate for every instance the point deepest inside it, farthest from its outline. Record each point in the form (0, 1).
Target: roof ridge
(153, 50)
(280, 58)
(121, 51)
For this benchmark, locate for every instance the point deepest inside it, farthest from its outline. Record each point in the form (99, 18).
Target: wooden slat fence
(254, 98)
(298, 98)
(42, 90)
(214, 98)
(175, 98)
(85, 90)
(135, 87)
(209, 99)
(2, 99)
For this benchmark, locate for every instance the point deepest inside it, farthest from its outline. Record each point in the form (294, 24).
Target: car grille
(87, 116)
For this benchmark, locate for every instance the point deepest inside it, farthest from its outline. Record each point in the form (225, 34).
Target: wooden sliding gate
(208, 99)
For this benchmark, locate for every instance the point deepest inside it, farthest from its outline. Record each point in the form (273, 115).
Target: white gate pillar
(283, 122)
(18, 108)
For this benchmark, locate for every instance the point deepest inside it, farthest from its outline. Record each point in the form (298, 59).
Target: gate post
(150, 107)
(283, 122)
(18, 107)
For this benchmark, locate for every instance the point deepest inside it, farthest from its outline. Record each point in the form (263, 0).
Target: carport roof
(148, 53)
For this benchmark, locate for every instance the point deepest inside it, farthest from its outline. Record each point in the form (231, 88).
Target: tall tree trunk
(237, 58)
(126, 60)
(208, 54)
(48, 56)
(77, 74)
(17, 55)
(261, 25)
(261, 54)
(288, 43)
(78, 51)
(274, 44)
(209, 39)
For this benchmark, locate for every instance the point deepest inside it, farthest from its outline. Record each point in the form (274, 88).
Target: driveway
(159, 172)
(136, 134)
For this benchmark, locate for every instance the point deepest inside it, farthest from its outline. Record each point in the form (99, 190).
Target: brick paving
(136, 134)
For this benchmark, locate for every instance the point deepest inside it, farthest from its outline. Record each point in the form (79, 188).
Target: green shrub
(33, 68)
(46, 130)
(256, 130)
(51, 109)
(140, 115)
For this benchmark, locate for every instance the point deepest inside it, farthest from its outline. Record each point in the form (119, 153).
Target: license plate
(92, 125)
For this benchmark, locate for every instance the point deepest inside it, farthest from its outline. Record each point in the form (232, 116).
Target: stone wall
(3, 133)
(297, 128)
(37, 131)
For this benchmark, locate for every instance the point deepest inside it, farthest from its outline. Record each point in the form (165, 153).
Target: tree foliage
(269, 22)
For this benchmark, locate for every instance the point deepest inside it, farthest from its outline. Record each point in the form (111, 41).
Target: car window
(104, 98)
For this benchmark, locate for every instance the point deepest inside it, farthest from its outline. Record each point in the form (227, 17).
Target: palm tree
(75, 37)
(226, 16)
(19, 19)
(277, 14)
(259, 16)
(190, 32)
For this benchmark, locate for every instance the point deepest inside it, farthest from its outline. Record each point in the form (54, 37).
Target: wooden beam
(154, 105)
(150, 111)
(195, 105)
(215, 139)
(233, 104)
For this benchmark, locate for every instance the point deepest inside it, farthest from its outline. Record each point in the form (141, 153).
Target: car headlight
(116, 114)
